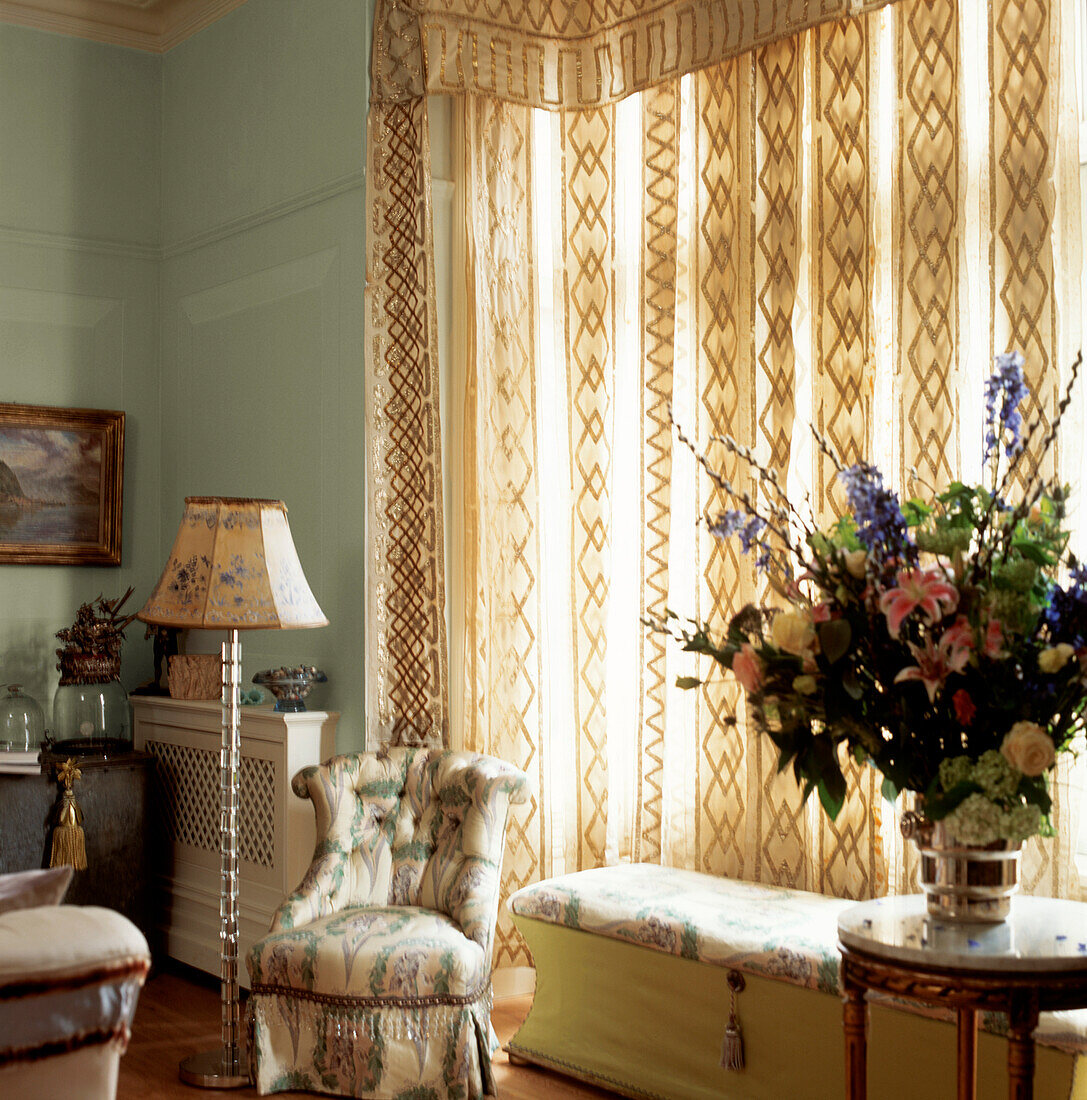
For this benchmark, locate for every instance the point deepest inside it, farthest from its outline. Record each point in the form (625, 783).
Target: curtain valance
(565, 54)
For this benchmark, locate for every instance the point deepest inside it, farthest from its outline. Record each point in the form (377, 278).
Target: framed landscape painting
(61, 473)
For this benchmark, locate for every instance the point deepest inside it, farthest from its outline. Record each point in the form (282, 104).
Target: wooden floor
(178, 1015)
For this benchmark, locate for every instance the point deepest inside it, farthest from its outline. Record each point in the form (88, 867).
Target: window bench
(632, 965)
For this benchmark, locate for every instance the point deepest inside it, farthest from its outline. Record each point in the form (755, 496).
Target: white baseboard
(513, 981)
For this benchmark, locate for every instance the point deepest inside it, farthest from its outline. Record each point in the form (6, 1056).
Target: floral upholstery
(789, 935)
(375, 978)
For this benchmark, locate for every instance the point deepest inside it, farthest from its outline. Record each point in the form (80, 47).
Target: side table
(115, 797)
(1035, 961)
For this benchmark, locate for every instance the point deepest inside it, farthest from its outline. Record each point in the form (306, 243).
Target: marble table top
(1041, 934)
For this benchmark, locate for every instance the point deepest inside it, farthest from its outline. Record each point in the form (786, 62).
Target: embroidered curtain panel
(840, 226)
(544, 53)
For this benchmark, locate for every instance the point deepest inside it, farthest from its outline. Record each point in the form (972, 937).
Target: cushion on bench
(789, 935)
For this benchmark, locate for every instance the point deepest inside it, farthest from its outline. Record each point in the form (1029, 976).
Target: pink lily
(994, 637)
(924, 589)
(936, 661)
(959, 634)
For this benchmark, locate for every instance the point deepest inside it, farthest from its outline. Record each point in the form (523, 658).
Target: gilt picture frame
(61, 485)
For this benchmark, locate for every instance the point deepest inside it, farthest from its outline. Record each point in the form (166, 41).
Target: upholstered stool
(632, 992)
(69, 980)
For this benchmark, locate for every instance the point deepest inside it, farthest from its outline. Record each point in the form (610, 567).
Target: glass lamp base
(215, 1069)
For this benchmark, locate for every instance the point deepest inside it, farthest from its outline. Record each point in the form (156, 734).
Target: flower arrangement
(942, 640)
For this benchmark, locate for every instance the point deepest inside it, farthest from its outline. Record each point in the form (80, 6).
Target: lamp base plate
(215, 1069)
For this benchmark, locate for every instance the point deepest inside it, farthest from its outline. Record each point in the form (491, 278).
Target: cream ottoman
(69, 980)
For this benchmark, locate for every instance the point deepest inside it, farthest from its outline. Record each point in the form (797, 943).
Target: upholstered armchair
(375, 980)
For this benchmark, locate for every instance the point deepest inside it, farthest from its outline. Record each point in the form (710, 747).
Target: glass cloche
(22, 725)
(96, 714)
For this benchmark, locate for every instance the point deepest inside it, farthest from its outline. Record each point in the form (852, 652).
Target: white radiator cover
(276, 832)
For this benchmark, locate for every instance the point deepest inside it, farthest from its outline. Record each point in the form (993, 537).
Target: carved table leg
(854, 1020)
(1022, 1020)
(968, 1054)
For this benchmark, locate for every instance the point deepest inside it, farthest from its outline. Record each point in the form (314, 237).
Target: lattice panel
(188, 779)
(256, 811)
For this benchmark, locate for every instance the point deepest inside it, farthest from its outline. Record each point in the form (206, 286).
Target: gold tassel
(732, 1049)
(69, 841)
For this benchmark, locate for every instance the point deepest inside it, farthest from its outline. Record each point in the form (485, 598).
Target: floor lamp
(233, 567)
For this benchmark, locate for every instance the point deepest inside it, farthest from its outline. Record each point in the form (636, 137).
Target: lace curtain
(839, 227)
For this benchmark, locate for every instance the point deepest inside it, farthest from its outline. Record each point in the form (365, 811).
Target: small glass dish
(290, 685)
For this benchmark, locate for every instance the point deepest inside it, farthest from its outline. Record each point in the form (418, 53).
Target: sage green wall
(181, 237)
(262, 285)
(80, 169)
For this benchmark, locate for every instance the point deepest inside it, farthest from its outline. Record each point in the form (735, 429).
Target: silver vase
(963, 882)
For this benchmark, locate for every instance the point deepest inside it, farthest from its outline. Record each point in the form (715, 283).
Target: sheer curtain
(839, 228)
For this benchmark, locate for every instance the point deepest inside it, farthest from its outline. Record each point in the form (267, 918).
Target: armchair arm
(321, 890)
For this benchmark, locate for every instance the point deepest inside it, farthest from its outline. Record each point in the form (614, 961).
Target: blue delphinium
(880, 522)
(749, 527)
(1004, 390)
(1065, 614)
(750, 533)
(727, 523)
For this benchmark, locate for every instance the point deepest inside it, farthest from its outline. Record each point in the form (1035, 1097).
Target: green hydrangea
(995, 776)
(976, 820)
(1023, 822)
(1019, 576)
(955, 770)
(945, 540)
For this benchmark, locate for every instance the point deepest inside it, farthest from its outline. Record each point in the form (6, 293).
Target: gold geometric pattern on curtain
(1024, 310)
(806, 243)
(849, 863)
(502, 561)
(406, 700)
(659, 274)
(559, 54)
(926, 236)
(778, 829)
(566, 53)
(587, 167)
(723, 383)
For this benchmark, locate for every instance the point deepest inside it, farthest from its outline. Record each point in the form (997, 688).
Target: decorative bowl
(290, 685)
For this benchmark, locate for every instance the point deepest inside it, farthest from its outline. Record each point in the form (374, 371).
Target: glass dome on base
(21, 723)
(91, 719)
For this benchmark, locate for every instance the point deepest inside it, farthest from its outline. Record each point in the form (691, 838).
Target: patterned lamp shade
(233, 567)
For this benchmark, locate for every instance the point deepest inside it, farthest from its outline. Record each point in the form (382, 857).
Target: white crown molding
(301, 201)
(30, 238)
(152, 25)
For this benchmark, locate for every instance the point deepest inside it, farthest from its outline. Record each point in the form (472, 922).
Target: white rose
(1055, 657)
(793, 632)
(855, 563)
(1028, 748)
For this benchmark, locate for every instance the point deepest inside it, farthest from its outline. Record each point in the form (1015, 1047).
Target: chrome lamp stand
(227, 1067)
